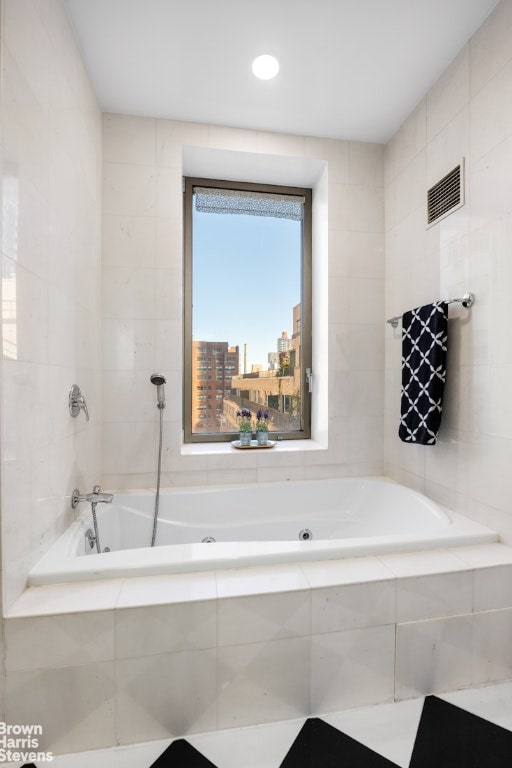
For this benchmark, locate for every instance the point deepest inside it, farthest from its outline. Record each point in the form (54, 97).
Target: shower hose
(157, 496)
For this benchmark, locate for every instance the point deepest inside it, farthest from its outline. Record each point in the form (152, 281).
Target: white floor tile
(389, 729)
(492, 702)
(257, 746)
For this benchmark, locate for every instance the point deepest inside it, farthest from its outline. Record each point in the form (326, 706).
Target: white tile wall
(352, 606)
(144, 161)
(262, 618)
(492, 653)
(453, 652)
(163, 628)
(49, 696)
(467, 113)
(493, 588)
(353, 666)
(433, 656)
(425, 597)
(258, 681)
(62, 641)
(51, 243)
(165, 694)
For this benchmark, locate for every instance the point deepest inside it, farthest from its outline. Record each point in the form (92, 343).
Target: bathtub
(258, 524)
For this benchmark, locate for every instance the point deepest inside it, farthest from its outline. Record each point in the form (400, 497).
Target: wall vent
(446, 196)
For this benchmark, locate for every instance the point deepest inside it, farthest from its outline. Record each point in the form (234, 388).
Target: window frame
(306, 305)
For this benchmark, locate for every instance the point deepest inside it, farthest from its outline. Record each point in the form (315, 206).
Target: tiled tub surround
(253, 525)
(467, 113)
(144, 160)
(104, 663)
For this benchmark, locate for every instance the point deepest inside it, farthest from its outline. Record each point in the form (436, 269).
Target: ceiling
(349, 69)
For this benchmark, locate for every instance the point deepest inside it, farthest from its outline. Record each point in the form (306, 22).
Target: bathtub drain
(305, 535)
(208, 540)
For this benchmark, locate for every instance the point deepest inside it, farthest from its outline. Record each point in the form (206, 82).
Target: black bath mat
(320, 745)
(181, 754)
(450, 737)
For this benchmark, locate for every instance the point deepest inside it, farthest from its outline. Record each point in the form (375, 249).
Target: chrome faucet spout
(94, 498)
(106, 498)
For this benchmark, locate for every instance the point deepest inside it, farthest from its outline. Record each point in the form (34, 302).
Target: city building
(283, 342)
(214, 363)
(278, 389)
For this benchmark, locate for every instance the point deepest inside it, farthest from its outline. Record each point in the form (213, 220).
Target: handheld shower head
(159, 380)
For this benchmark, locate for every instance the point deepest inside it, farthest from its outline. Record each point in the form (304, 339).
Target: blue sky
(246, 280)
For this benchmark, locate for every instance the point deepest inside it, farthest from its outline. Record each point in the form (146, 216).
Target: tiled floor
(463, 729)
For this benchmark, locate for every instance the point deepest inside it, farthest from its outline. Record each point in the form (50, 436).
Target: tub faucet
(94, 498)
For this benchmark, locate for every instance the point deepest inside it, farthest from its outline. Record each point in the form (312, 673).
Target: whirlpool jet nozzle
(159, 380)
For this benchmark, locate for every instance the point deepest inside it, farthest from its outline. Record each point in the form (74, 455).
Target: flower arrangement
(244, 420)
(262, 421)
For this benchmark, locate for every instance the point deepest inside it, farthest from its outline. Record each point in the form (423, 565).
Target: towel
(424, 344)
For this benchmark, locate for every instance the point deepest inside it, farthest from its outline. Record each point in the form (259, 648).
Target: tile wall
(51, 241)
(144, 161)
(236, 648)
(468, 113)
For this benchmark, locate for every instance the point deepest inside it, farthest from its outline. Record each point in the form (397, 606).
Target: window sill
(284, 446)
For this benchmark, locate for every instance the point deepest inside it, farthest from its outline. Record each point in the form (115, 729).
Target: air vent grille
(447, 195)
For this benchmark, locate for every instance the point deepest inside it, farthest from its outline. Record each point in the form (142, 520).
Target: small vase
(245, 438)
(262, 437)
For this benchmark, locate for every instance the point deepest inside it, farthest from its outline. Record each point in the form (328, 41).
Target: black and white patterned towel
(424, 344)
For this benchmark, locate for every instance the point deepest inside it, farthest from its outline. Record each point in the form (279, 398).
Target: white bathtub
(253, 525)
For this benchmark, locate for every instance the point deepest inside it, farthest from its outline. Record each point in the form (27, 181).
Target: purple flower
(244, 420)
(261, 421)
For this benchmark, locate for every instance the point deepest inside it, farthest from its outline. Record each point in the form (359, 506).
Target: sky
(246, 281)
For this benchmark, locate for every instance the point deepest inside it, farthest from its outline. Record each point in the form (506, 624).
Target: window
(247, 307)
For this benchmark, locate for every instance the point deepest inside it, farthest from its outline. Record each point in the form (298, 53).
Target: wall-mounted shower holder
(76, 402)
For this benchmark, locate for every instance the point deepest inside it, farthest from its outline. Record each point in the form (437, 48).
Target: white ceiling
(349, 69)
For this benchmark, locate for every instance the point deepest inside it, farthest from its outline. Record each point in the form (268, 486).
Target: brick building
(214, 363)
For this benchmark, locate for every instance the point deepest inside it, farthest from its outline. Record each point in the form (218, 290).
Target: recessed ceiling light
(265, 67)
